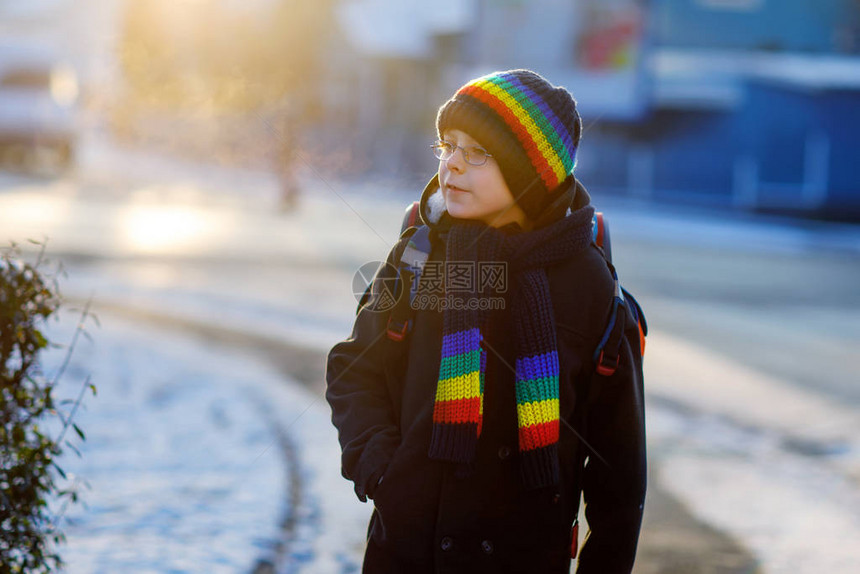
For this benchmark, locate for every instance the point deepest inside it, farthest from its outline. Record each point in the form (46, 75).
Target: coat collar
(572, 196)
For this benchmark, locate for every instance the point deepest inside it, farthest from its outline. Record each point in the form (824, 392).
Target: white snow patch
(185, 469)
(714, 383)
(791, 516)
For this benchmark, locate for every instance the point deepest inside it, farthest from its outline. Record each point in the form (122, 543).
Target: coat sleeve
(614, 480)
(357, 391)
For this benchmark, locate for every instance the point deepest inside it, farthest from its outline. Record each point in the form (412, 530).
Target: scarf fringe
(454, 442)
(539, 467)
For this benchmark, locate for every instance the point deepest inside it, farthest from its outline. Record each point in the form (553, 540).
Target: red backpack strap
(600, 234)
(639, 316)
(599, 228)
(411, 217)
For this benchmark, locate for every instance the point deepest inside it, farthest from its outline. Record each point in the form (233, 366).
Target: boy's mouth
(452, 187)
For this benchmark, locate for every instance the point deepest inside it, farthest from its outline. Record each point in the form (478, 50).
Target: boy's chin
(462, 212)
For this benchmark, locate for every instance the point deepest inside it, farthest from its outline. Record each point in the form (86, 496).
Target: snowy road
(788, 494)
(200, 459)
(776, 468)
(755, 461)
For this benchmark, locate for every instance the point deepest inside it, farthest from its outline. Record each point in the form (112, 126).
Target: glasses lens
(443, 150)
(476, 155)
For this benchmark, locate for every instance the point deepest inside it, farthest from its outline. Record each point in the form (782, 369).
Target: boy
(471, 436)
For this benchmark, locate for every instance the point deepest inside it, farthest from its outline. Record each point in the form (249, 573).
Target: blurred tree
(223, 56)
(236, 82)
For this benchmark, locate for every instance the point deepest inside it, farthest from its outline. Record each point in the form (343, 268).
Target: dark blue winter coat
(425, 518)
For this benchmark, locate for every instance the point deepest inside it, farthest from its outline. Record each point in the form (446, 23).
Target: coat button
(487, 547)
(555, 498)
(504, 452)
(447, 543)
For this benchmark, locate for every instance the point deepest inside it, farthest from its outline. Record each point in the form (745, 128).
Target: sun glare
(167, 229)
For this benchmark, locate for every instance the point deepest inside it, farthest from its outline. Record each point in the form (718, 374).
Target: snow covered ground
(203, 458)
(774, 467)
(199, 459)
(185, 455)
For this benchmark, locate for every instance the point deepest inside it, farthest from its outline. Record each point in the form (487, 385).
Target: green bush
(29, 475)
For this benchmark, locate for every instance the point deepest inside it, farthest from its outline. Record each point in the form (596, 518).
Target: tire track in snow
(295, 495)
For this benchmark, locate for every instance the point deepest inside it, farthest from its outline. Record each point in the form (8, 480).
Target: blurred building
(57, 63)
(744, 103)
(385, 68)
(754, 103)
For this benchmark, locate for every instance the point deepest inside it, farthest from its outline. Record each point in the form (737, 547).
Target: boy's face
(476, 192)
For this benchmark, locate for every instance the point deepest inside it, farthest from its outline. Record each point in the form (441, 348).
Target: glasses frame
(438, 151)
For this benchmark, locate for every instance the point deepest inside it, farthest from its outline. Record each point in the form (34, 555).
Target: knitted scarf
(459, 404)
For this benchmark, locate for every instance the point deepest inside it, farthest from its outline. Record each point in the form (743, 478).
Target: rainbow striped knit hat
(531, 127)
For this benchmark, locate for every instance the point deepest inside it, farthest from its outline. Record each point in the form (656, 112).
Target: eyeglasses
(474, 155)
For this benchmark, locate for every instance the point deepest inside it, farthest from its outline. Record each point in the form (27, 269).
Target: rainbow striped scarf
(458, 410)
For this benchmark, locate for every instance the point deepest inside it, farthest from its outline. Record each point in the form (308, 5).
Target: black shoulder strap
(399, 249)
(624, 307)
(409, 269)
(608, 350)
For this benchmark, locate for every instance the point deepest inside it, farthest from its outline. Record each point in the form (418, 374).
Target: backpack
(417, 250)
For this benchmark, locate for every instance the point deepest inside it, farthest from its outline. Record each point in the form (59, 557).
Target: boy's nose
(456, 162)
